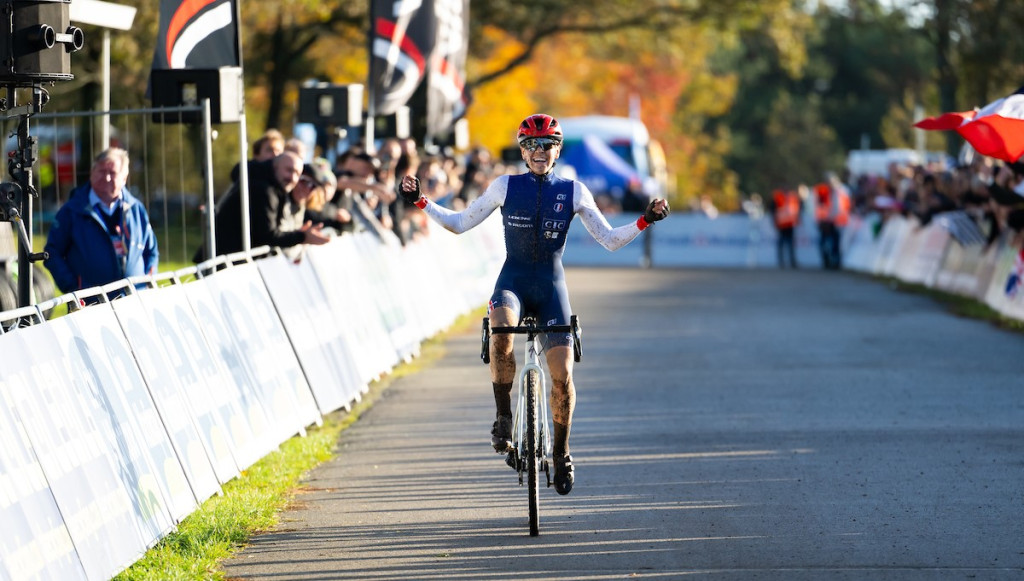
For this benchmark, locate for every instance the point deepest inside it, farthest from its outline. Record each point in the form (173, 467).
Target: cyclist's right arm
(477, 211)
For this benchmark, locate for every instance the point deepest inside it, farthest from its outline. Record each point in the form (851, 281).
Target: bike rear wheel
(532, 451)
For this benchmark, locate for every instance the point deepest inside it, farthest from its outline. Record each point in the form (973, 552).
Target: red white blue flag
(997, 130)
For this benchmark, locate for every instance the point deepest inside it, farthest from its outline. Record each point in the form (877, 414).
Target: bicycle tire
(532, 452)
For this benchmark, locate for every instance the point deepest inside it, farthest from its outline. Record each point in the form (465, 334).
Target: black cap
(316, 175)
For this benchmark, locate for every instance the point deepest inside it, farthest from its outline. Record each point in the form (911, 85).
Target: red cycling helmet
(539, 125)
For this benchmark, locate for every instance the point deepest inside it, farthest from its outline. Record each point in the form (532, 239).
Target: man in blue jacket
(102, 233)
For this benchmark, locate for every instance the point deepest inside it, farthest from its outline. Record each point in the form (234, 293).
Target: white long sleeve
(477, 211)
(595, 222)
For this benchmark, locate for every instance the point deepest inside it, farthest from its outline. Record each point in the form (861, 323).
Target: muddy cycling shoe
(501, 434)
(563, 475)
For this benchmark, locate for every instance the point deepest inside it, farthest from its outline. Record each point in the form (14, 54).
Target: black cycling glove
(651, 216)
(412, 196)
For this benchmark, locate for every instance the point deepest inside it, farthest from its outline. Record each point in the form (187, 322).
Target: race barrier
(695, 240)
(119, 419)
(942, 255)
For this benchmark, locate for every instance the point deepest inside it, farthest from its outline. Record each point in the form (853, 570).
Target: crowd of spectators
(354, 193)
(988, 191)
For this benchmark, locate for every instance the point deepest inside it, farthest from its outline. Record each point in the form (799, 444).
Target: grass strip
(252, 502)
(959, 305)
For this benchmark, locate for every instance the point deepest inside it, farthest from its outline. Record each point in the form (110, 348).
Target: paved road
(730, 425)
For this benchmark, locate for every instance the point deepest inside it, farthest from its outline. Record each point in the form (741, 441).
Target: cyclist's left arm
(595, 222)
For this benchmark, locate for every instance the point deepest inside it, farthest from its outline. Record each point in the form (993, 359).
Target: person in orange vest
(786, 213)
(832, 213)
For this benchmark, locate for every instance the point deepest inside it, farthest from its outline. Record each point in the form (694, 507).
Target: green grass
(252, 502)
(960, 305)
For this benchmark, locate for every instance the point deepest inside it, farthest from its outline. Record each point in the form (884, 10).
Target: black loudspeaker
(394, 125)
(188, 87)
(40, 42)
(338, 105)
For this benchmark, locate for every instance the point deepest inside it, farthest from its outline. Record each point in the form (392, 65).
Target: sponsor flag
(196, 34)
(402, 40)
(961, 227)
(447, 97)
(996, 130)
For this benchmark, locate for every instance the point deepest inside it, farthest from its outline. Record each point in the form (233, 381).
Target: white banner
(303, 314)
(34, 543)
(109, 505)
(229, 372)
(693, 239)
(178, 416)
(263, 344)
(214, 406)
(337, 267)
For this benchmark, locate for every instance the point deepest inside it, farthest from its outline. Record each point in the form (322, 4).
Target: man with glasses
(536, 208)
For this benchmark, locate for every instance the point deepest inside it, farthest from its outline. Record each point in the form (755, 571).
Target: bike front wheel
(533, 451)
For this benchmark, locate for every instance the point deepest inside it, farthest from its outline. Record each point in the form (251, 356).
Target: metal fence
(172, 171)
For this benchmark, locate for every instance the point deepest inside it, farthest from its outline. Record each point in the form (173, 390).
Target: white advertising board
(34, 542)
(177, 415)
(263, 344)
(110, 505)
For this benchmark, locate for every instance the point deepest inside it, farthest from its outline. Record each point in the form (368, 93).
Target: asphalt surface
(730, 425)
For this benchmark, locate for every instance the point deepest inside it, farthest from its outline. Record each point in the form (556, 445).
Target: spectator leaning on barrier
(102, 233)
(272, 219)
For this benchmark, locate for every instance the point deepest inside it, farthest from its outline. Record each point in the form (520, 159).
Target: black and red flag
(197, 34)
(417, 41)
(401, 42)
(447, 97)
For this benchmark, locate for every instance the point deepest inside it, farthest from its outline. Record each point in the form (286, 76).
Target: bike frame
(532, 362)
(532, 446)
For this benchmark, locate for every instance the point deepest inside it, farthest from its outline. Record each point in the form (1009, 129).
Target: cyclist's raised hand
(656, 210)
(410, 189)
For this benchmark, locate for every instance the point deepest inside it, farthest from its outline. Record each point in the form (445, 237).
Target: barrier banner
(302, 314)
(138, 434)
(263, 344)
(177, 415)
(110, 505)
(461, 264)
(228, 371)
(229, 438)
(1006, 293)
(34, 543)
(421, 265)
(382, 284)
(922, 255)
(332, 333)
(337, 267)
(693, 239)
(890, 244)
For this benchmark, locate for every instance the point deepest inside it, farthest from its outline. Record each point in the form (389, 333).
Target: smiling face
(287, 169)
(107, 178)
(540, 154)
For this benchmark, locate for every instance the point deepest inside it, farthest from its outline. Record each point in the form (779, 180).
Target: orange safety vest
(823, 210)
(787, 209)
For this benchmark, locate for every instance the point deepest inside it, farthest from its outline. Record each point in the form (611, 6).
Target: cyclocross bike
(531, 423)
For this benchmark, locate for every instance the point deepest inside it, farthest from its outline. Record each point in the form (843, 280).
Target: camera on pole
(40, 42)
(35, 49)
